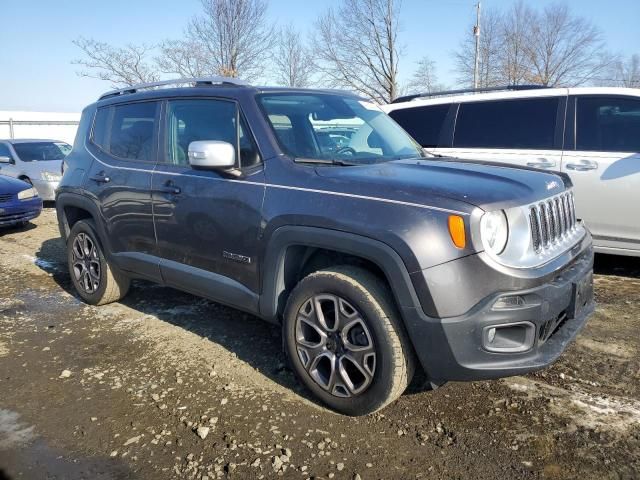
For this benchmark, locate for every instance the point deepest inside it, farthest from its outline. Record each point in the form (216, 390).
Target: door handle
(100, 178)
(541, 163)
(582, 166)
(169, 188)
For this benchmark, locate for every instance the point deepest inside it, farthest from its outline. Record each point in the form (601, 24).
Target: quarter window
(608, 124)
(126, 131)
(526, 124)
(424, 124)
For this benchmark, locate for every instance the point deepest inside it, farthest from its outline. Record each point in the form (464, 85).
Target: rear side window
(4, 150)
(126, 131)
(608, 124)
(526, 124)
(424, 124)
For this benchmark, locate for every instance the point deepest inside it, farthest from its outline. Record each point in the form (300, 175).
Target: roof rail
(408, 98)
(178, 81)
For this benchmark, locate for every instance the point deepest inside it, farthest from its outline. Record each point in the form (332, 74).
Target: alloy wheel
(335, 345)
(86, 263)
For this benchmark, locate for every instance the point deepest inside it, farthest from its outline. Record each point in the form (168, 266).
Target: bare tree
(424, 79)
(235, 36)
(357, 47)
(185, 58)
(515, 32)
(564, 49)
(550, 47)
(626, 73)
(121, 66)
(490, 53)
(292, 62)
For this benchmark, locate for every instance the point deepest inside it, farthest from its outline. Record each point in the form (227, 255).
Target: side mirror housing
(212, 154)
(5, 159)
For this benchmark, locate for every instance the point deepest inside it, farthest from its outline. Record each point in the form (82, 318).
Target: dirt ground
(122, 391)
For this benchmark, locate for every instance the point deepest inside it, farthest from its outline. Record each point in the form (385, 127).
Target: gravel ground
(166, 385)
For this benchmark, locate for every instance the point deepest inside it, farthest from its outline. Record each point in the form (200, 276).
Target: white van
(591, 134)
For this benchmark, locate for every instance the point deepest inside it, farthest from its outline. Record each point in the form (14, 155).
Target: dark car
(374, 260)
(19, 202)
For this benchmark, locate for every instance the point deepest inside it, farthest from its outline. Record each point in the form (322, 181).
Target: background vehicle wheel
(95, 281)
(26, 179)
(345, 340)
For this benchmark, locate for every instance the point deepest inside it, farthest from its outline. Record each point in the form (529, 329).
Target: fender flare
(68, 199)
(379, 253)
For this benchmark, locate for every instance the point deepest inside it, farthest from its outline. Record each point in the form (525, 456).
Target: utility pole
(476, 33)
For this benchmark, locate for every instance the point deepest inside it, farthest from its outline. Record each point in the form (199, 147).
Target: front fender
(381, 254)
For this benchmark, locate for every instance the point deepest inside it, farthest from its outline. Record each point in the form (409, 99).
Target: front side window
(200, 120)
(515, 124)
(335, 127)
(126, 131)
(608, 124)
(4, 150)
(422, 123)
(41, 151)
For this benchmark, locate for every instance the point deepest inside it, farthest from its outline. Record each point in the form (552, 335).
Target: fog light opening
(509, 338)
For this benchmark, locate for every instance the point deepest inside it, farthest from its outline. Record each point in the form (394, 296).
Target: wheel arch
(295, 251)
(72, 208)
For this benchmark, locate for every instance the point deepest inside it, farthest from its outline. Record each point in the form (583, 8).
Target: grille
(5, 197)
(552, 220)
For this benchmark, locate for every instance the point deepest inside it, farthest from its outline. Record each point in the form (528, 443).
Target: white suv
(591, 134)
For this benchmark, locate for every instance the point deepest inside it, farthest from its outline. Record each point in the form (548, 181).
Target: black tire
(105, 284)
(394, 359)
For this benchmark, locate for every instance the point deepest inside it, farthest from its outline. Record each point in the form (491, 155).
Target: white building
(50, 125)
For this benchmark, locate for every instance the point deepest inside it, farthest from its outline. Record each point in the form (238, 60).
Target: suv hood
(487, 186)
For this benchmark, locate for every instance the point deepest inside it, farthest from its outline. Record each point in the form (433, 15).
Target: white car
(38, 162)
(591, 134)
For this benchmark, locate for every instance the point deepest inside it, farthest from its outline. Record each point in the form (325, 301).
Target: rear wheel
(345, 340)
(92, 276)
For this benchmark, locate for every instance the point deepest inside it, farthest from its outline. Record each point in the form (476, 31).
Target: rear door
(124, 146)
(208, 221)
(523, 131)
(603, 161)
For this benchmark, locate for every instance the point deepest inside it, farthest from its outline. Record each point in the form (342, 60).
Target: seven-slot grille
(551, 220)
(5, 197)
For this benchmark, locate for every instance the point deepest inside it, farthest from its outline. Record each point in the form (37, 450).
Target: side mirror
(4, 159)
(212, 154)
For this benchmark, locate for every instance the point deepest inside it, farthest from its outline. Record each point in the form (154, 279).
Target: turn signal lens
(456, 230)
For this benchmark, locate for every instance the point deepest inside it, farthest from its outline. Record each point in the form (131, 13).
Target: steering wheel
(348, 150)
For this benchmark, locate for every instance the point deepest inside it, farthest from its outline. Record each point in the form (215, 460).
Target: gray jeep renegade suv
(314, 210)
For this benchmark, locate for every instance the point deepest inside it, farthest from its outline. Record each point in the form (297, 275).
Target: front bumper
(535, 331)
(20, 211)
(46, 190)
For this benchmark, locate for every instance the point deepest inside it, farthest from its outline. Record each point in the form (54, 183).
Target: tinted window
(41, 151)
(608, 124)
(126, 131)
(194, 120)
(4, 150)
(424, 124)
(527, 123)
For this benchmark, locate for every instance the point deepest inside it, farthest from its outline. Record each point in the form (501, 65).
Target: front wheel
(92, 276)
(345, 340)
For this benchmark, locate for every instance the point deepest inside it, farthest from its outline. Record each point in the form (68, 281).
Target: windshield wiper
(322, 161)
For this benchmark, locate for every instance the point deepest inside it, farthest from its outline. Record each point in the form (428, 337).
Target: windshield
(40, 151)
(336, 128)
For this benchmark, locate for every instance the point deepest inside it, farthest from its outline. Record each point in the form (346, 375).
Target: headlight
(494, 229)
(50, 177)
(28, 193)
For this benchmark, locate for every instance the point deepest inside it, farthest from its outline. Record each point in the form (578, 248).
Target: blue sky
(36, 36)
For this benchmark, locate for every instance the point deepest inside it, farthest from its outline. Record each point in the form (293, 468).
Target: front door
(123, 145)
(605, 169)
(207, 222)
